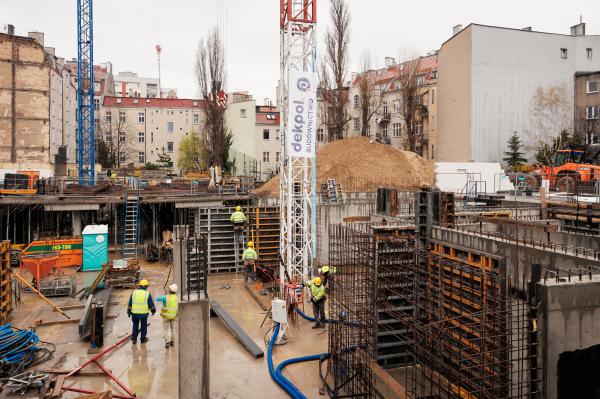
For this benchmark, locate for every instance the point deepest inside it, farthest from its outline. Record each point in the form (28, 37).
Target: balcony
(384, 117)
(422, 110)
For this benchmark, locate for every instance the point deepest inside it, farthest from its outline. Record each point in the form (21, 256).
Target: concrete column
(76, 223)
(194, 372)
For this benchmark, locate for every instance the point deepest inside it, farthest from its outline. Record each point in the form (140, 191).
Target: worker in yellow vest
(249, 257)
(317, 297)
(238, 218)
(140, 305)
(168, 313)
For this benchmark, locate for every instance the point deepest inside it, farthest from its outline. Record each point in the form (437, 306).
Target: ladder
(333, 192)
(196, 265)
(131, 222)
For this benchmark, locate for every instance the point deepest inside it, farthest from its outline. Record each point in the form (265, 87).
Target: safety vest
(139, 302)
(238, 217)
(250, 254)
(317, 292)
(169, 311)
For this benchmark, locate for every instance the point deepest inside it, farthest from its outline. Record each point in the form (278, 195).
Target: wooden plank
(57, 391)
(236, 330)
(391, 385)
(41, 323)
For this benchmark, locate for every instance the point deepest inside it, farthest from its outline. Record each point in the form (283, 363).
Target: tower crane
(298, 107)
(85, 92)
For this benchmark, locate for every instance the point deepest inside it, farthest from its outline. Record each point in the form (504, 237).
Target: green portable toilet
(95, 246)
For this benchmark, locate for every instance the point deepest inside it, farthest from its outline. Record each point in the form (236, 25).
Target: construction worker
(249, 257)
(169, 313)
(140, 305)
(238, 219)
(317, 297)
(325, 273)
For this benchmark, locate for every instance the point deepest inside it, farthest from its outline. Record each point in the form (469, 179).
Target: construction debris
(123, 273)
(359, 164)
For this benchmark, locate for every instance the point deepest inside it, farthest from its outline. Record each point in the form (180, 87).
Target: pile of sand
(362, 165)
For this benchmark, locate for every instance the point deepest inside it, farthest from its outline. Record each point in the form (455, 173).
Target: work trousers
(249, 267)
(319, 311)
(140, 322)
(169, 330)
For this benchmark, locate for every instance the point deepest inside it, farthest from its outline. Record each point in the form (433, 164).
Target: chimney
(37, 36)
(579, 29)
(9, 29)
(50, 50)
(456, 29)
(390, 61)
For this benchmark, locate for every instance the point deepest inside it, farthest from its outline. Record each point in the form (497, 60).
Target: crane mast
(298, 107)
(85, 92)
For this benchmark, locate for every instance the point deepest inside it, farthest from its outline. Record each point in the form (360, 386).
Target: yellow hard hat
(251, 244)
(317, 281)
(144, 283)
(238, 208)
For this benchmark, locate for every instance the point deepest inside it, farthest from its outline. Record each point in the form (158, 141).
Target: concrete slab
(152, 371)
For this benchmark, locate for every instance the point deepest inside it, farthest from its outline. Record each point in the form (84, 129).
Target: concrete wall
(518, 257)
(454, 99)
(569, 320)
(272, 146)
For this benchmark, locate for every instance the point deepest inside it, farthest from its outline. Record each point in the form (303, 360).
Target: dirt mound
(362, 165)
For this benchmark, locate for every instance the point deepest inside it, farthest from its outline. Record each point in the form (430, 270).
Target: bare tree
(333, 71)
(211, 75)
(117, 138)
(370, 95)
(550, 110)
(410, 88)
(585, 128)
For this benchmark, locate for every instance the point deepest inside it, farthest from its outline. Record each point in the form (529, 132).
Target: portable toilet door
(95, 246)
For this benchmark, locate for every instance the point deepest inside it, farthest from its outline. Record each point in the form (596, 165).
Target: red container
(39, 264)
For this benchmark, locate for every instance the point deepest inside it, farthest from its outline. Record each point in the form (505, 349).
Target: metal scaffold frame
(85, 92)
(297, 174)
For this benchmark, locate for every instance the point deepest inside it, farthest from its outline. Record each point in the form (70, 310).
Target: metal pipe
(99, 355)
(115, 379)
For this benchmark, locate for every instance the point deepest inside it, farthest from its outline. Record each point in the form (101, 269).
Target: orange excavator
(568, 170)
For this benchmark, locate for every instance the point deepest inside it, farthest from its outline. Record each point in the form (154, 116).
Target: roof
(140, 102)
(267, 115)
(427, 65)
(586, 73)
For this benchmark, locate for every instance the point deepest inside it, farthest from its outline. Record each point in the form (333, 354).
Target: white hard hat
(173, 288)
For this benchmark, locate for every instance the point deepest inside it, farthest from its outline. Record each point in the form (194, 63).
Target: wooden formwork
(263, 223)
(6, 305)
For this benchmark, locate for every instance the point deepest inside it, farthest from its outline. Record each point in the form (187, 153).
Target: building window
(588, 52)
(356, 124)
(169, 127)
(594, 138)
(277, 134)
(384, 131)
(420, 80)
(122, 116)
(108, 116)
(277, 157)
(141, 157)
(397, 131)
(169, 146)
(433, 123)
(320, 135)
(122, 157)
(434, 74)
(242, 113)
(368, 130)
(432, 96)
(593, 112)
(108, 137)
(265, 134)
(196, 119)
(121, 137)
(96, 104)
(152, 137)
(141, 117)
(563, 53)
(141, 137)
(419, 129)
(356, 101)
(266, 156)
(96, 124)
(592, 86)
(396, 105)
(384, 108)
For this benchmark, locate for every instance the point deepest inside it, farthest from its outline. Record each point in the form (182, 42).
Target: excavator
(570, 168)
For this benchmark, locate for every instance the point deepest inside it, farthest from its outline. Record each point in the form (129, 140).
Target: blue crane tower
(85, 92)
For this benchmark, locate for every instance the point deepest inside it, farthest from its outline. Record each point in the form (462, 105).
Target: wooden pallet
(6, 305)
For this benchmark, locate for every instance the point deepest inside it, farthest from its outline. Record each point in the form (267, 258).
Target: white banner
(302, 114)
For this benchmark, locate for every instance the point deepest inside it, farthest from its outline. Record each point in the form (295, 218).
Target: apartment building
(130, 84)
(138, 130)
(37, 106)
(255, 129)
(587, 106)
(488, 77)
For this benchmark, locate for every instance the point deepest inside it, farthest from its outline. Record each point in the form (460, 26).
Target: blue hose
(283, 383)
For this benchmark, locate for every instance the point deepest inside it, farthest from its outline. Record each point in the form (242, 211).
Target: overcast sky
(126, 31)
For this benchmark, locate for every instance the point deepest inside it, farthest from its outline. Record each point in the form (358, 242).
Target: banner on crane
(302, 114)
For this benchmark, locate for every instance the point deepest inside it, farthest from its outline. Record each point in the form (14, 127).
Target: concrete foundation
(194, 349)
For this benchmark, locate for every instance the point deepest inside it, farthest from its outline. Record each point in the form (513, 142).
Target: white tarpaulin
(302, 114)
